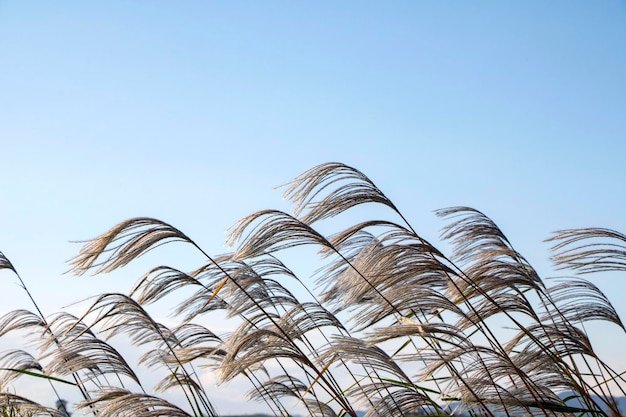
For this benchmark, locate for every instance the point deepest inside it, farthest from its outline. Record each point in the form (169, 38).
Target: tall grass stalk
(389, 323)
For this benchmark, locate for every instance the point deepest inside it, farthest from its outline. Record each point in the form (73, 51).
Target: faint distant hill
(249, 415)
(359, 413)
(254, 415)
(621, 403)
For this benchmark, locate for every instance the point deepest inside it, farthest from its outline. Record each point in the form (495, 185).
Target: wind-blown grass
(390, 324)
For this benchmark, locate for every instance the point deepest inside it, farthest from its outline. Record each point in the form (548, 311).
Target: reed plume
(389, 323)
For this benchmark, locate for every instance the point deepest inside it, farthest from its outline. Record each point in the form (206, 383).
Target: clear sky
(193, 111)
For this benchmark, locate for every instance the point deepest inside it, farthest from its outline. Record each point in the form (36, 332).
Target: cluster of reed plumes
(391, 325)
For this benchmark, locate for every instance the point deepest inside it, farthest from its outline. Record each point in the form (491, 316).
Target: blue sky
(192, 112)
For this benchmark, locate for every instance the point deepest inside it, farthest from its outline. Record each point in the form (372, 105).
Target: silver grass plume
(589, 250)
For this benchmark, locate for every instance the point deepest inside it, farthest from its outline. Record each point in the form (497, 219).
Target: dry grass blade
(177, 380)
(359, 352)
(579, 300)
(198, 304)
(546, 374)
(483, 309)
(473, 235)
(589, 250)
(247, 292)
(279, 386)
(391, 233)
(442, 332)
(194, 342)
(384, 276)
(159, 282)
(401, 402)
(192, 335)
(271, 231)
(505, 384)
(11, 403)
(387, 389)
(423, 324)
(531, 374)
(494, 272)
(122, 314)
(302, 318)
(20, 320)
(250, 347)
(319, 409)
(560, 340)
(353, 188)
(122, 403)
(93, 356)
(275, 389)
(5, 263)
(123, 243)
(14, 361)
(282, 386)
(119, 313)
